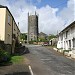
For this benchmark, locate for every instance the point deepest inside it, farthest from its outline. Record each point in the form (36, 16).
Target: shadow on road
(21, 50)
(5, 64)
(19, 73)
(27, 51)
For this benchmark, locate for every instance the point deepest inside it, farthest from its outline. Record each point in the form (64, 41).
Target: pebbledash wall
(66, 39)
(7, 29)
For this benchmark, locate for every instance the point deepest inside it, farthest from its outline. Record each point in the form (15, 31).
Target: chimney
(18, 24)
(35, 12)
(28, 13)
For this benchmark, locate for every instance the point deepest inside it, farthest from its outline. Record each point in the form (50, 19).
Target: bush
(17, 44)
(30, 42)
(4, 56)
(67, 50)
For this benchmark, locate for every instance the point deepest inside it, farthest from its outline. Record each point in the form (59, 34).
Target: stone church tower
(32, 27)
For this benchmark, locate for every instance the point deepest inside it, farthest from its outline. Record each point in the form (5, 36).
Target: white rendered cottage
(66, 38)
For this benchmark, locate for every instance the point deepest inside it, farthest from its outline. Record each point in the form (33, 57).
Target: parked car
(45, 44)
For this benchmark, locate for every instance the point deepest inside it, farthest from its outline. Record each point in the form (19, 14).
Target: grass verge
(17, 59)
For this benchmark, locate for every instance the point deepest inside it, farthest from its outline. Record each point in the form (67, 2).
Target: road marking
(31, 70)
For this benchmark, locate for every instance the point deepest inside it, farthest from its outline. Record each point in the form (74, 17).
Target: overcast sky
(54, 15)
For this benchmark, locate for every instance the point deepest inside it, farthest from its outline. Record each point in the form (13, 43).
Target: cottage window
(66, 34)
(9, 19)
(8, 39)
(14, 25)
(74, 43)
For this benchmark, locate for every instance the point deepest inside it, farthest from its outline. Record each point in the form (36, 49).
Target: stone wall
(32, 28)
(2, 45)
(6, 47)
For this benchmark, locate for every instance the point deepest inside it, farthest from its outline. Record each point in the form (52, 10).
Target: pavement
(21, 68)
(70, 54)
(15, 69)
(44, 61)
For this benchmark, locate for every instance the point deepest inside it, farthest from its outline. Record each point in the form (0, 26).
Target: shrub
(4, 56)
(67, 50)
(30, 42)
(17, 44)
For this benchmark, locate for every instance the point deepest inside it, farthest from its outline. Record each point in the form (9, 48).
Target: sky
(54, 15)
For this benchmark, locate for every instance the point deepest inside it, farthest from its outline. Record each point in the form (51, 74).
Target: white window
(74, 43)
(66, 34)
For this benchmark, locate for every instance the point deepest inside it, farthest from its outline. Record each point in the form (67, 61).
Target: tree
(23, 36)
(51, 36)
(42, 40)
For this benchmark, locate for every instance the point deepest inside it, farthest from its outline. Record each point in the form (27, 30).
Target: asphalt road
(47, 62)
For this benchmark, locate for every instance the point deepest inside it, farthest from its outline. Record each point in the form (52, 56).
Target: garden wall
(6, 47)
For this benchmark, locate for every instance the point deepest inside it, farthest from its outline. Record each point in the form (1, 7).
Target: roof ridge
(3, 6)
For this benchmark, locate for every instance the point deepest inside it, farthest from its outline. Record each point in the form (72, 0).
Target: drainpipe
(28, 30)
(12, 34)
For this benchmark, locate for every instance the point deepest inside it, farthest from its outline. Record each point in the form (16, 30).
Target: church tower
(32, 27)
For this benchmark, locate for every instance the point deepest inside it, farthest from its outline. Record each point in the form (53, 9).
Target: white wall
(63, 41)
(2, 23)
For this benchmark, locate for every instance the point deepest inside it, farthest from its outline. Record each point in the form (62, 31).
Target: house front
(7, 24)
(53, 41)
(66, 38)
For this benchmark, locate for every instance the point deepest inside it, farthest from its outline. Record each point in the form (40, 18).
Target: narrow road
(47, 62)
(14, 69)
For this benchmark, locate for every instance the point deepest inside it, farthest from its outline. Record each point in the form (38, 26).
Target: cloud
(21, 13)
(67, 14)
(49, 21)
(4, 2)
